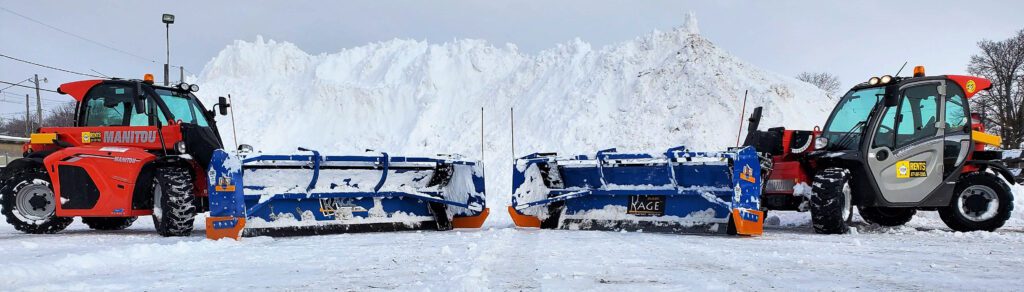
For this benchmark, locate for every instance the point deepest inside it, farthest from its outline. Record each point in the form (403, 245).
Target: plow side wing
(286, 195)
(678, 192)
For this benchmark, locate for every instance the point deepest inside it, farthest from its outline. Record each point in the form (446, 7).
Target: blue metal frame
(613, 177)
(233, 202)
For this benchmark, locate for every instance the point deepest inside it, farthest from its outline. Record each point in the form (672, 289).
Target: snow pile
(659, 90)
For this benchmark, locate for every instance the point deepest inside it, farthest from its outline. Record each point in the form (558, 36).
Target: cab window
(956, 112)
(112, 105)
(917, 115)
(182, 106)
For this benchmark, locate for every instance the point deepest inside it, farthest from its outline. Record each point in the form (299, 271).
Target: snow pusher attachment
(287, 195)
(679, 192)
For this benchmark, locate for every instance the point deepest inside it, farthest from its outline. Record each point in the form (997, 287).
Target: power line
(26, 86)
(84, 38)
(49, 67)
(77, 36)
(23, 81)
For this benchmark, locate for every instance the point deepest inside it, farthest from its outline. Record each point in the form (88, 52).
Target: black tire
(30, 204)
(108, 223)
(830, 204)
(965, 212)
(887, 216)
(173, 201)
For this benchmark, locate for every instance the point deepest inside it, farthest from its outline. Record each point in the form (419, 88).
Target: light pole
(168, 19)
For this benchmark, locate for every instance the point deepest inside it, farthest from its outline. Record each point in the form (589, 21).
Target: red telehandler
(137, 149)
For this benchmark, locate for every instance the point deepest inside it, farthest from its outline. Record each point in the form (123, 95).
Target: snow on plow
(677, 192)
(288, 195)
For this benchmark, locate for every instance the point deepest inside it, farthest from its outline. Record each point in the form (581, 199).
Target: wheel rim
(847, 202)
(978, 203)
(158, 193)
(35, 202)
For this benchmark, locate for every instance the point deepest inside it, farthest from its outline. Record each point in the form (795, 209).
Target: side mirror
(223, 105)
(139, 97)
(892, 96)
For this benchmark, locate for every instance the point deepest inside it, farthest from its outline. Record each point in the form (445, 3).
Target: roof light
(886, 79)
(918, 71)
(873, 81)
(183, 86)
(148, 78)
(193, 88)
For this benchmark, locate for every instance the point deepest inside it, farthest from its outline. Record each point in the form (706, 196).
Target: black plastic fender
(996, 166)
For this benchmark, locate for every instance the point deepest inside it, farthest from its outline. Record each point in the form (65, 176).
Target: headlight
(180, 147)
(885, 79)
(873, 80)
(820, 143)
(183, 86)
(193, 88)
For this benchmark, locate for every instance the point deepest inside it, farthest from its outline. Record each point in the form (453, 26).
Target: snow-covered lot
(921, 256)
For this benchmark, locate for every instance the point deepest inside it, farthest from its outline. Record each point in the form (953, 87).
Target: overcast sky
(852, 39)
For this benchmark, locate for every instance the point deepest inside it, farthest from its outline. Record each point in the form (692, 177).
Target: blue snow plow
(310, 194)
(679, 191)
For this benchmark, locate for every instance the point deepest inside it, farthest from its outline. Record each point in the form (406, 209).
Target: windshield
(850, 116)
(183, 107)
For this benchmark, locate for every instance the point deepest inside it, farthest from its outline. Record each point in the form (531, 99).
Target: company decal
(909, 169)
(89, 137)
(224, 184)
(748, 174)
(333, 207)
(126, 160)
(971, 87)
(129, 136)
(118, 211)
(646, 205)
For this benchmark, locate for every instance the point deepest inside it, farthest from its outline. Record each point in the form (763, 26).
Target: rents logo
(909, 169)
(89, 137)
(129, 136)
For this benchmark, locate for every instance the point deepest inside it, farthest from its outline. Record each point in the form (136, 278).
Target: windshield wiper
(841, 143)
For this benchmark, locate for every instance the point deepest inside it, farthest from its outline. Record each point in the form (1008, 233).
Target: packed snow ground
(659, 90)
(923, 255)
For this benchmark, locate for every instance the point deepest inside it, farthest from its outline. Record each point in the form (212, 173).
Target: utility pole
(28, 120)
(39, 102)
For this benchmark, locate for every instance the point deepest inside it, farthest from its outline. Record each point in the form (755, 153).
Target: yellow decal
(89, 137)
(748, 174)
(909, 169)
(971, 86)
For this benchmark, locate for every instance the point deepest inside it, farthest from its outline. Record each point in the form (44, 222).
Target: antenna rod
(743, 112)
(512, 119)
(482, 141)
(901, 69)
(234, 134)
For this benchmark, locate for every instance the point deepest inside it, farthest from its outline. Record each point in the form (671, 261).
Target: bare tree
(14, 127)
(1002, 62)
(827, 82)
(61, 116)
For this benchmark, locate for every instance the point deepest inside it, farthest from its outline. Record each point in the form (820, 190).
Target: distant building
(10, 148)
